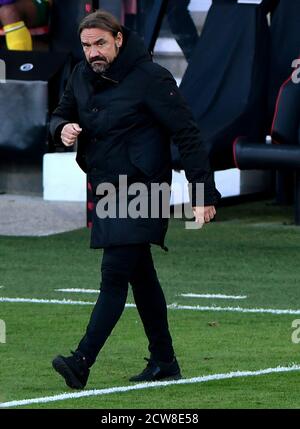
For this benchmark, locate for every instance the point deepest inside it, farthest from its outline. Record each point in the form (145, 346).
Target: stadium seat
(283, 117)
(283, 155)
(286, 121)
(32, 88)
(226, 80)
(285, 47)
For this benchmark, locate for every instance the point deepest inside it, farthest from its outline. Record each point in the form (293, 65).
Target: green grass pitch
(252, 249)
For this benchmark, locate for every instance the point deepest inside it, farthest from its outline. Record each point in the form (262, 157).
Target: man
(123, 109)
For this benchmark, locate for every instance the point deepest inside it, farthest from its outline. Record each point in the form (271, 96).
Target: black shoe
(73, 369)
(157, 370)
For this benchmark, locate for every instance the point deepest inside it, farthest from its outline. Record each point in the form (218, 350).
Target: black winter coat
(129, 116)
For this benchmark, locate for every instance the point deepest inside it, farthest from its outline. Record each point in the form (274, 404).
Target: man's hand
(69, 134)
(204, 214)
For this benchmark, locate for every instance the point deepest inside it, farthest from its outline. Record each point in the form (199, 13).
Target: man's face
(100, 47)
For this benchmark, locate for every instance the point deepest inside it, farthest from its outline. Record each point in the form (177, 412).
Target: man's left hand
(204, 214)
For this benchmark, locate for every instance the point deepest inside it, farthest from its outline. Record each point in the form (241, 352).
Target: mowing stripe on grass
(208, 295)
(171, 306)
(141, 386)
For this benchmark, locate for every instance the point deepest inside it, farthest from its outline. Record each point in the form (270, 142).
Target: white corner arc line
(170, 306)
(213, 295)
(140, 386)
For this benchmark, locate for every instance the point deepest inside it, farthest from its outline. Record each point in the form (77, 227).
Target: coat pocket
(149, 156)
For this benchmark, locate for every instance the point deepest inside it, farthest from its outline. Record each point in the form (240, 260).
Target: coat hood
(132, 53)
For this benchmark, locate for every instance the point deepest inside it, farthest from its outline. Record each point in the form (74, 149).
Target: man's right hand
(69, 134)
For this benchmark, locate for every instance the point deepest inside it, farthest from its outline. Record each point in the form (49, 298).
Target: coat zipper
(109, 79)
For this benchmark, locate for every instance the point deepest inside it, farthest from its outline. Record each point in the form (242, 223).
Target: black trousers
(122, 265)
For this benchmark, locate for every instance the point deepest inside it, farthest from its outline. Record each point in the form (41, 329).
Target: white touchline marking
(170, 306)
(140, 386)
(186, 295)
(51, 301)
(233, 309)
(45, 301)
(78, 290)
(217, 295)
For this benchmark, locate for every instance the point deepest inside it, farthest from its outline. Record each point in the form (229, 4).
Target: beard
(99, 67)
(105, 63)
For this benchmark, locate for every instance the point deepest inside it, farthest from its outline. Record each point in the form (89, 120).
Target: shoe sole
(62, 368)
(170, 378)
